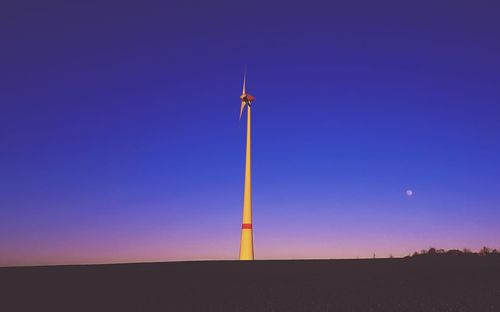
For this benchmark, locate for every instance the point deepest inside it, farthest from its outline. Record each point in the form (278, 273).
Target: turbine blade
(244, 81)
(242, 107)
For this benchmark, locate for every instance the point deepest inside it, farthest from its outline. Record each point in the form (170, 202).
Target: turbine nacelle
(246, 99)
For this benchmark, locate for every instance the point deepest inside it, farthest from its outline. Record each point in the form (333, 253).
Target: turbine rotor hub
(247, 98)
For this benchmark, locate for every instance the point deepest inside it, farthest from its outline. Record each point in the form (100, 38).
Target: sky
(120, 139)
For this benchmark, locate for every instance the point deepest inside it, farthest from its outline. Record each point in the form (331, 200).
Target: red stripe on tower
(246, 226)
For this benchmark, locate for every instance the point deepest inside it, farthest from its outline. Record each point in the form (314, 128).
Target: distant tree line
(485, 251)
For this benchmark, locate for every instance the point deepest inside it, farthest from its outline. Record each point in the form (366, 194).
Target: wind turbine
(246, 243)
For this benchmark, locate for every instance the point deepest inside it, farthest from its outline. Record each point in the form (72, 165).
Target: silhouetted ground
(410, 284)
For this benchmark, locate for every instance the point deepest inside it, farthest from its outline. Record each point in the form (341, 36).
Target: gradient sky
(120, 139)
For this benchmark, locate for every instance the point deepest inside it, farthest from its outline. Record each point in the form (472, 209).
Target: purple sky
(120, 139)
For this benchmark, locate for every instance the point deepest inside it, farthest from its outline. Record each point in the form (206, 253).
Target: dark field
(410, 284)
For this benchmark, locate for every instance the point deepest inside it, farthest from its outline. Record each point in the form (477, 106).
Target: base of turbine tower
(246, 244)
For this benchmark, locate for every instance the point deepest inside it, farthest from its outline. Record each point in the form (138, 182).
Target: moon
(409, 193)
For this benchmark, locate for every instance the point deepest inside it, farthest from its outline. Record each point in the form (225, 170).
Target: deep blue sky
(120, 139)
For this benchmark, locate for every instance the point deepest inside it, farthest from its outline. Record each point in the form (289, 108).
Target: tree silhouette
(484, 251)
